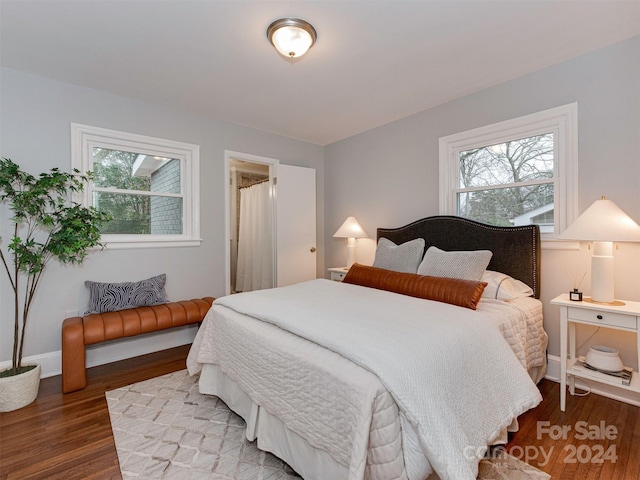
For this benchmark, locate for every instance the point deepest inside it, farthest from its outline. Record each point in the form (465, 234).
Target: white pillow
(400, 258)
(467, 265)
(503, 287)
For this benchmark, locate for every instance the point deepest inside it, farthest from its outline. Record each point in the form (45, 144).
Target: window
(517, 172)
(148, 185)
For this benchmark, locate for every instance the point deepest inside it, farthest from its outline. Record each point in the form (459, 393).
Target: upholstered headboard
(516, 250)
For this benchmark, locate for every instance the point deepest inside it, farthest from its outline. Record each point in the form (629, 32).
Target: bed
(343, 381)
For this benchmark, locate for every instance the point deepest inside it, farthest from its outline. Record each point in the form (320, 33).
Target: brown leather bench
(78, 332)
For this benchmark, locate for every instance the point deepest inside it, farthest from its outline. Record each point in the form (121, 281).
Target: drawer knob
(599, 317)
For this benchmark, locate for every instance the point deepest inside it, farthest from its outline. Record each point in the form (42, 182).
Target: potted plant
(47, 225)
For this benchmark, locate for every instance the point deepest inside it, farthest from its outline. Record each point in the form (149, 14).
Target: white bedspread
(456, 382)
(520, 323)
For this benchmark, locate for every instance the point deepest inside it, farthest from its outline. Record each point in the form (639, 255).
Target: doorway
(251, 233)
(284, 252)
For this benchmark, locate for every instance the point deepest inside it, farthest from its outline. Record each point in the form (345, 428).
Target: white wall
(35, 115)
(388, 177)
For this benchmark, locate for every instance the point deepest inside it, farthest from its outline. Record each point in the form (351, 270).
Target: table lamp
(351, 230)
(603, 223)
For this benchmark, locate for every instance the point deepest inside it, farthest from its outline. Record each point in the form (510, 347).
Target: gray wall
(35, 132)
(388, 176)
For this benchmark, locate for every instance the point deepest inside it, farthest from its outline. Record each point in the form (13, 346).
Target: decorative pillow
(464, 293)
(400, 258)
(501, 286)
(468, 265)
(111, 297)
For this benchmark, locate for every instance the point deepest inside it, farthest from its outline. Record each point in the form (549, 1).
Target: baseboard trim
(113, 351)
(553, 374)
(122, 349)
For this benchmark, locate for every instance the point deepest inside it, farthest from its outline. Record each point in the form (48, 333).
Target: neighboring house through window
(516, 172)
(148, 185)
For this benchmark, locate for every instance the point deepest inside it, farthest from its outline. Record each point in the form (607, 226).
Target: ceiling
(374, 61)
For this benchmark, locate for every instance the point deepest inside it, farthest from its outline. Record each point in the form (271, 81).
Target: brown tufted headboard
(516, 250)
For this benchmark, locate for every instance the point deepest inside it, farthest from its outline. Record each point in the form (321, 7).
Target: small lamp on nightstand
(603, 223)
(351, 230)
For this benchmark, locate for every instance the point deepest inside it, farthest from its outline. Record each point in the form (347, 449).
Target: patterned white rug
(164, 428)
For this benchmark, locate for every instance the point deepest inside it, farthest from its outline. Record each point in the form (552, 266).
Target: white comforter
(455, 380)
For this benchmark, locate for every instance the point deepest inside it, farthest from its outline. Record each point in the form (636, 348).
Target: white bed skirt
(273, 436)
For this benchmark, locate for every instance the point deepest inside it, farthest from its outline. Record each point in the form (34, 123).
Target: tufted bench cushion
(77, 332)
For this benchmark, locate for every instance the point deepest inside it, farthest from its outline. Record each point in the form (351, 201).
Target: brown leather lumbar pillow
(464, 293)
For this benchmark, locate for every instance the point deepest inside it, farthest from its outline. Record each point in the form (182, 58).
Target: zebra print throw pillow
(111, 297)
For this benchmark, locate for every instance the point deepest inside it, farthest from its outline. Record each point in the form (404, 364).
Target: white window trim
(563, 121)
(85, 137)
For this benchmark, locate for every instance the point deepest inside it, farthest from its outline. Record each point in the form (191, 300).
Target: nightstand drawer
(338, 273)
(338, 276)
(603, 318)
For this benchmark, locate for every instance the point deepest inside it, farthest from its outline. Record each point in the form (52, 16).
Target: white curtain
(255, 239)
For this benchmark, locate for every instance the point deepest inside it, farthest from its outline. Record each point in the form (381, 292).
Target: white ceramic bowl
(604, 358)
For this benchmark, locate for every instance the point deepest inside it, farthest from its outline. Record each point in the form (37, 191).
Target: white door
(295, 224)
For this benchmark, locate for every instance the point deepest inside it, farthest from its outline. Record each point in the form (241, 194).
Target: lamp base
(615, 303)
(602, 272)
(351, 252)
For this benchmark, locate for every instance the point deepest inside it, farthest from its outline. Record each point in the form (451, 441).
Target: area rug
(165, 429)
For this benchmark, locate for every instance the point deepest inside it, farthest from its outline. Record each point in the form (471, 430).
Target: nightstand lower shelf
(634, 385)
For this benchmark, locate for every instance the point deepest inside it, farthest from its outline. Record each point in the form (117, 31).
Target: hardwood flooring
(594, 438)
(69, 436)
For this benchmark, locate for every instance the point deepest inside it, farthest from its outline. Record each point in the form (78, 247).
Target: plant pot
(19, 390)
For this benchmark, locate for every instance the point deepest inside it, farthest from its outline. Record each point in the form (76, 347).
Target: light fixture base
(615, 303)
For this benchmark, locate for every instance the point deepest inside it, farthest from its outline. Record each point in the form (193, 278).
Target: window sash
(125, 191)
(505, 185)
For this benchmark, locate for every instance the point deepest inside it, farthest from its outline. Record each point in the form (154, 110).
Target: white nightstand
(338, 273)
(625, 317)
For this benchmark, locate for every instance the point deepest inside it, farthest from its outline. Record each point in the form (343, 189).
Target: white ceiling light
(292, 37)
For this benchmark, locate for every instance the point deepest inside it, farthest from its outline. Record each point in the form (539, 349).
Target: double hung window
(517, 172)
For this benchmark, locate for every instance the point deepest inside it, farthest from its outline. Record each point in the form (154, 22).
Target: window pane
(134, 171)
(140, 214)
(510, 206)
(509, 162)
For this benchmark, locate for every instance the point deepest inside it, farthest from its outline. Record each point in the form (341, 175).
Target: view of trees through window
(501, 182)
(113, 169)
(142, 193)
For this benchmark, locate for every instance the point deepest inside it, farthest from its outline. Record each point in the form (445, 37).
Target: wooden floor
(69, 436)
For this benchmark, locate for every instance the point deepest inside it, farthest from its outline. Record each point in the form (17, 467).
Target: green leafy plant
(47, 225)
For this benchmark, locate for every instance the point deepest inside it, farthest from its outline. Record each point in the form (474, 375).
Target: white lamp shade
(603, 221)
(351, 229)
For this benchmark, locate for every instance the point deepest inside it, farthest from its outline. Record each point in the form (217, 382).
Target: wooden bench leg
(74, 370)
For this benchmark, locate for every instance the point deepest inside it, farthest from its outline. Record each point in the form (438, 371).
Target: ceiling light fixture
(292, 37)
